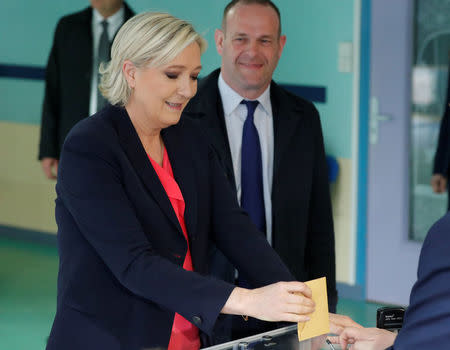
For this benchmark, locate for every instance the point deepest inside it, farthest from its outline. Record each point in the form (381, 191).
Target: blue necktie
(252, 194)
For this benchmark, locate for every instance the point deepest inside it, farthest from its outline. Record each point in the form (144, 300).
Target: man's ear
(219, 37)
(282, 43)
(129, 71)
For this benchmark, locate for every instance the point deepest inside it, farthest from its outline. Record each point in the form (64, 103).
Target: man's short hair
(233, 3)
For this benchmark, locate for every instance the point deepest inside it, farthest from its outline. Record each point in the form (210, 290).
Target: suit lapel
(285, 121)
(182, 165)
(139, 161)
(128, 13)
(208, 108)
(215, 124)
(84, 61)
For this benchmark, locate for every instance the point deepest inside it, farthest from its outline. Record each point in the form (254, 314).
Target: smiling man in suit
(82, 40)
(271, 147)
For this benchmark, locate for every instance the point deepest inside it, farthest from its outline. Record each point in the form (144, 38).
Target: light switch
(345, 57)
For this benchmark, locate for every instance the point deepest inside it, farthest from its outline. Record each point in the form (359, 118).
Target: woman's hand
(364, 338)
(282, 301)
(339, 322)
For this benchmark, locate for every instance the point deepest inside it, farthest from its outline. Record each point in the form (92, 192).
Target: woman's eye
(171, 76)
(195, 77)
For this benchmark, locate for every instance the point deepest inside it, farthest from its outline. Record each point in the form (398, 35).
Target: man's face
(106, 7)
(250, 48)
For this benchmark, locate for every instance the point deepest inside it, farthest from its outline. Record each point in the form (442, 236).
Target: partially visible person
(339, 322)
(71, 79)
(140, 194)
(426, 323)
(270, 145)
(439, 180)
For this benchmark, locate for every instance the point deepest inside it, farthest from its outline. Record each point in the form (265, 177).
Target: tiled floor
(28, 296)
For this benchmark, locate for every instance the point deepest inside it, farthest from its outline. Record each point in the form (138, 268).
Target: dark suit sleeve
(427, 319)
(91, 188)
(48, 146)
(237, 237)
(320, 248)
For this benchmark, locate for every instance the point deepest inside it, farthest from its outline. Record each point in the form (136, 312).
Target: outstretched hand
(364, 338)
(282, 301)
(339, 322)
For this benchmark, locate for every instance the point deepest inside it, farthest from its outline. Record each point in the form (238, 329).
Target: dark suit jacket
(427, 319)
(302, 222)
(120, 244)
(68, 80)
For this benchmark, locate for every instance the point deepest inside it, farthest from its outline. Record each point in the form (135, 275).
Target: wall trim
(12, 71)
(22, 72)
(364, 88)
(309, 92)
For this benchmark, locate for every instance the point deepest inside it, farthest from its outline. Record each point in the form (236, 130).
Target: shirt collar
(231, 99)
(114, 19)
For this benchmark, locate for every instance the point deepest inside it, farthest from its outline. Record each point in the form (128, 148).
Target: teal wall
(313, 29)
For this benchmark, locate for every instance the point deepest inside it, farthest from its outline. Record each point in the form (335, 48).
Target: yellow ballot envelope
(319, 323)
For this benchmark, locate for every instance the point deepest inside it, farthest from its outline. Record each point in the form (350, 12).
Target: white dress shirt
(235, 114)
(114, 23)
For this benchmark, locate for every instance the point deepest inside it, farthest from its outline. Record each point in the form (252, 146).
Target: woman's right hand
(282, 301)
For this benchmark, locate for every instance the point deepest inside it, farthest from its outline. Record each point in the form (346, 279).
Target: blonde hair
(148, 39)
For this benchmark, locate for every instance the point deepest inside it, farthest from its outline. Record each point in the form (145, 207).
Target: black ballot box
(279, 339)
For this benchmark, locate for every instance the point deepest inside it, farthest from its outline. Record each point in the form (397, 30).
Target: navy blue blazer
(120, 244)
(427, 319)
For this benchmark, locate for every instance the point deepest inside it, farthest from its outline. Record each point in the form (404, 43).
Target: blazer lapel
(182, 165)
(139, 161)
(285, 120)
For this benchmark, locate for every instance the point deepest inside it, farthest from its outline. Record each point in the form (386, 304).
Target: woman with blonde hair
(140, 195)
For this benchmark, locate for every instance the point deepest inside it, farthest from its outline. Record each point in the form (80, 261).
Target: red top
(184, 334)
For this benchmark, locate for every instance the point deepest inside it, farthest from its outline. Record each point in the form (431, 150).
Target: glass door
(429, 87)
